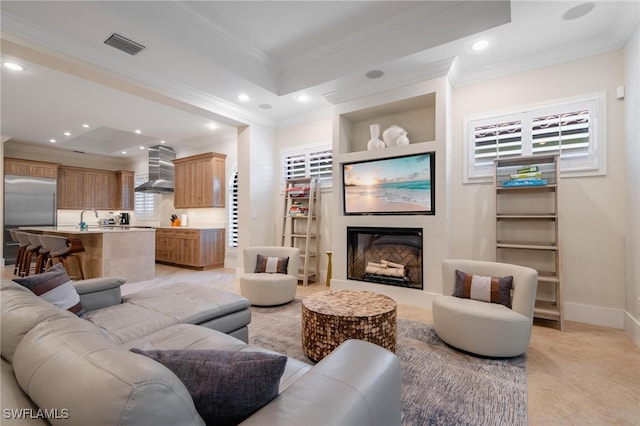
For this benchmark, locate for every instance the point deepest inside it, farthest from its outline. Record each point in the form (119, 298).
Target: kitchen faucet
(83, 225)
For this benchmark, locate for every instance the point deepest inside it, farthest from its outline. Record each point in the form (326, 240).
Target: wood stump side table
(331, 317)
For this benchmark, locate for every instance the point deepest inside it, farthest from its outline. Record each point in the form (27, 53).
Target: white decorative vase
(375, 142)
(391, 135)
(402, 139)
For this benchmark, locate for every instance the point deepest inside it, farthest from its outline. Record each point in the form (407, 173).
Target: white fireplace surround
(395, 107)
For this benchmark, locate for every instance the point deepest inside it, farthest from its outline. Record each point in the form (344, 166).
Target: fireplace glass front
(391, 256)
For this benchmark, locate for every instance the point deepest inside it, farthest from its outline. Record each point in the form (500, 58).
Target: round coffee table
(331, 317)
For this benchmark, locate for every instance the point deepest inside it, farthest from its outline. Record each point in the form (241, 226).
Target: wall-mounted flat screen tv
(396, 185)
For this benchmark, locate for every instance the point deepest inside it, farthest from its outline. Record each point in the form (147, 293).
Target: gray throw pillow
(226, 386)
(55, 287)
(486, 289)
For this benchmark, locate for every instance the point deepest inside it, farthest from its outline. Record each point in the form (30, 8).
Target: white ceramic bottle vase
(375, 142)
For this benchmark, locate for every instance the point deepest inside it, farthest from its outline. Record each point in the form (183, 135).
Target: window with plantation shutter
(307, 163)
(233, 210)
(574, 129)
(146, 204)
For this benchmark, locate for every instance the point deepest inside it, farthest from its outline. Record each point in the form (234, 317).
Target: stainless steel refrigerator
(28, 201)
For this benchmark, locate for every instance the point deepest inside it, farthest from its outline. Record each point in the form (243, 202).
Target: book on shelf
(525, 182)
(298, 191)
(526, 175)
(528, 169)
(298, 209)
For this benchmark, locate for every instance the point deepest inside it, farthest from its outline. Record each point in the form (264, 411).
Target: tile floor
(584, 375)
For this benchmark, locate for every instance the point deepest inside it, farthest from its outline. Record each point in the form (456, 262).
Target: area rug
(440, 385)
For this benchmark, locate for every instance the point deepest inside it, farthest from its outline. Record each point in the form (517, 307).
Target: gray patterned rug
(440, 385)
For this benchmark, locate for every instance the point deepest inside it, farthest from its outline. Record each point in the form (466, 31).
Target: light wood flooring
(583, 375)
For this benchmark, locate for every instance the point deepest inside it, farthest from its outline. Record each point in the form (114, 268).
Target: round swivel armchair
(266, 280)
(481, 327)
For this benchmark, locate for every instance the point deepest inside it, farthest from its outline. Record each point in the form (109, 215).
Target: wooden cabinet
(71, 190)
(165, 246)
(81, 188)
(20, 167)
(125, 195)
(197, 248)
(527, 225)
(200, 181)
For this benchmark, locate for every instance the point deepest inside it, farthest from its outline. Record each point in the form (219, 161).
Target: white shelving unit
(301, 224)
(527, 227)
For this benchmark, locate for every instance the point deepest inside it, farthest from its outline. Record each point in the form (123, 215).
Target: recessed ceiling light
(13, 66)
(212, 126)
(162, 142)
(578, 11)
(67, 133)
(303, 97)
(138, 131)
(374, 74)
(124, 152)
(52, 140)
(480, 45)
(86, 126)
(142, 147)
(243, 97)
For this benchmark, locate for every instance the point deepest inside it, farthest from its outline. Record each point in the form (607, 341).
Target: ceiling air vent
(124, 44)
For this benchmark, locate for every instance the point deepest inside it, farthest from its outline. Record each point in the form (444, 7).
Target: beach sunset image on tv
(389, 186)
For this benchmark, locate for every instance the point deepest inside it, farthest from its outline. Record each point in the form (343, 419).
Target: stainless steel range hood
(160, 171)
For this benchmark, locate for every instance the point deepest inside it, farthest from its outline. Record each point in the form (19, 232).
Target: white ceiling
(200, 55)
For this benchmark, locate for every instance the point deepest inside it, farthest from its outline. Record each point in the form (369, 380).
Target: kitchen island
(123, 251)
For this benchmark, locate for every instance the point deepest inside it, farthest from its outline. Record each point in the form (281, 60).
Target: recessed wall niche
(417, 115)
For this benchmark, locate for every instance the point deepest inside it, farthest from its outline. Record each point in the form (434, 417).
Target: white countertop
(70, 229)
(177, 228)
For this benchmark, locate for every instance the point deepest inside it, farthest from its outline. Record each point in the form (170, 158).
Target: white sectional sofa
(79, 370)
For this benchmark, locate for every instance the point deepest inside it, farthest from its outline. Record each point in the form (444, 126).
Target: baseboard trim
(632, 328)
(596, 315)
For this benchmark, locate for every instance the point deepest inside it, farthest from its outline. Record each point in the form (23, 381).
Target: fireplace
(391, 256)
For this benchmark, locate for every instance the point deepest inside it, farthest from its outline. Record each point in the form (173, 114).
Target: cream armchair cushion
(483, 328)
(269, 289)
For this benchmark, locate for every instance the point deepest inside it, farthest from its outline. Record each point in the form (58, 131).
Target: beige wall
(592, 216)
(594, 220)
(309, 134)
(632, 145)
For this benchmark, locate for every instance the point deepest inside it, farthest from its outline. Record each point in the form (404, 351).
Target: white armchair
(269, 289)
(483, 328)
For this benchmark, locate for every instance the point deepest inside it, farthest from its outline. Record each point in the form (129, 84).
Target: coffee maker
(124, 218)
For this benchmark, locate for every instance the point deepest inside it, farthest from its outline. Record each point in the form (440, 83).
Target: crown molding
(62, 48)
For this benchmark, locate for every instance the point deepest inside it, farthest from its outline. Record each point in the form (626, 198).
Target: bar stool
(72, 247)
(33, 247)
(43, 257)
(20, 253)
(52, 243)
(23, 239)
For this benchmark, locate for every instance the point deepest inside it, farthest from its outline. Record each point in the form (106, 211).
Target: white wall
(257, 183)
(632, 146)
(592, 217)
(434, 227)
(307, 135)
